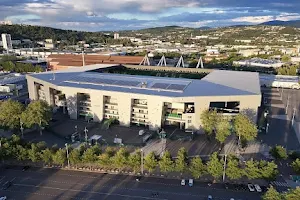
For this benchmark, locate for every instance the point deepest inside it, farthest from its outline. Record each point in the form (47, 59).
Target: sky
(106, 15)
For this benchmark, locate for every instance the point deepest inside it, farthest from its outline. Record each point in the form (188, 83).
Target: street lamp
(21, 128)
(85, 132)
(68, 155)
(142, 161)
(225, 159)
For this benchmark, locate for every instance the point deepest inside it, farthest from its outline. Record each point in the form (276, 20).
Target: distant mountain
(204, 28)
(294, 23)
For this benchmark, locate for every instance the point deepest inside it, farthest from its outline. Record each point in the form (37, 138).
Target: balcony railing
(172, 115)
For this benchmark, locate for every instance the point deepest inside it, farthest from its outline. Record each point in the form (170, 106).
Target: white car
(191, 182)
(251, 187)
(3, 198)
(183, 182)
(257, 187)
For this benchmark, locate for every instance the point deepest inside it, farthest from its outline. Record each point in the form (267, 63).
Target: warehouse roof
(217, 83)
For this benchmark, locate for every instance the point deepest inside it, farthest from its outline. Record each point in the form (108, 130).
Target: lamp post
(85, 132)
(142, 161)
(293, 118)
(22, 129)
(225, 159)
(68, 155)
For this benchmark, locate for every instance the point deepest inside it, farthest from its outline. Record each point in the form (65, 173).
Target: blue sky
(97, 15)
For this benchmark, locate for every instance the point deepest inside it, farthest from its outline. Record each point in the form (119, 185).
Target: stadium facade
(87, 92)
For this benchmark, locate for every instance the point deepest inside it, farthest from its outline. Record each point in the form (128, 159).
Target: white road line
(85, 191)
(2, 179)
(13, 179)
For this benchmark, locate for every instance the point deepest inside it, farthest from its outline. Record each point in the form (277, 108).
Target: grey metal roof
(217, 83)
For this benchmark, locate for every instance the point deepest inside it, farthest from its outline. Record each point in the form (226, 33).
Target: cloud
(98, 15)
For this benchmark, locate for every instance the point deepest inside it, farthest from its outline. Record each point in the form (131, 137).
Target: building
(258, 62)
(152, 101)
(6, 41)
(49, 46)
(116, 36)
(6, 22)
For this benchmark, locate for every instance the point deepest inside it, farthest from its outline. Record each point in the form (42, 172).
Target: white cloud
(254, 19)
(288, 16)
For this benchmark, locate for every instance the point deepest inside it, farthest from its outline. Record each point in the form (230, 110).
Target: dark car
(6, 185)
(138, 178)
(25, 168)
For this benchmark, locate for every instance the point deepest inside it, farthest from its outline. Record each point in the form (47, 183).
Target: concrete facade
(155, 111)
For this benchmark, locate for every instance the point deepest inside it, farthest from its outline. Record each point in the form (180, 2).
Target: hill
(295, 23)
(38, 33)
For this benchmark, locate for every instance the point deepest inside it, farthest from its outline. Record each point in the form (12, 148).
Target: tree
(222, 129)
(33, 153)
(166, 163)
(46, 156)
(89, 156)
(134, 161)
(233, 171)
(293, 194)
(10, 113)
(215, 166)
(272, 194)
(285, 58)
(244, 127)
(296, 166)
(37, 113)
(181, 160)
(279, 153)
(120, 159)
(209, 119)
(75, 157)
(22, 153)
(60, 157)
(268, 170)
(252, 170)
(150, 162)
(197, 168)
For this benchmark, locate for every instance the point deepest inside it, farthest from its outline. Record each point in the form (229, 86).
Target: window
(189, 121)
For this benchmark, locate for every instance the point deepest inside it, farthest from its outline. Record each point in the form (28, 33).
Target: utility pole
(225, 159)
(293, 118)
(68, 155)
(21, 128)
(41, 128)
(142, 162)
(267, 128)
(85, 132)
(287, 105)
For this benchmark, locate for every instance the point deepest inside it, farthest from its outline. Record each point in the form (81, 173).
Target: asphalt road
(37, 184)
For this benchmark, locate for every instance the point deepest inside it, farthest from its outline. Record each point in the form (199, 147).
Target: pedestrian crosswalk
(280, 184)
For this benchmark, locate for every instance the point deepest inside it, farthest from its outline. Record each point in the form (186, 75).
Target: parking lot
(282, 105)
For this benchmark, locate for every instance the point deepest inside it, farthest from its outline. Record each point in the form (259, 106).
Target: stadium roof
(217, 83)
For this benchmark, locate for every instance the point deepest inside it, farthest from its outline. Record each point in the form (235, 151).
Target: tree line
(273, 194)
(94, 157)
(13, 114)
(215, 124)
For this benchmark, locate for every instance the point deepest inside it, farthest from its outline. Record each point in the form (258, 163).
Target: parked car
(257, 187)
(183, 182)
(25, 168)
(209, 197)
(191, 182)
(138, 178)
(251, 187)
(3, 198)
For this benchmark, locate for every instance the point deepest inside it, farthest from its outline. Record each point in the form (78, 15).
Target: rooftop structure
(151, 101)
(258, 62)
(63, 61)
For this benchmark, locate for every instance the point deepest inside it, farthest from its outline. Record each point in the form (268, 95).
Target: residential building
(116, 36)
(6, 41)
(154, 102)
(258, 62)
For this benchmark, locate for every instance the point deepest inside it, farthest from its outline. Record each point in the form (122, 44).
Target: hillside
(37, 33)
(295, 23)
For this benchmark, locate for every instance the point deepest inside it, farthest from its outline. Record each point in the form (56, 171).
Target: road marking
(13, 179)
(85, 191)
(2, 179)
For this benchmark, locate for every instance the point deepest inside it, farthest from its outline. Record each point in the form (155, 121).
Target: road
(37, 183)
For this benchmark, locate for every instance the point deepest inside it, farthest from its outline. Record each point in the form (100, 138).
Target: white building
(6, 41)
(258, 62)
(7, 22)
(116, 36)
(144, 100)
